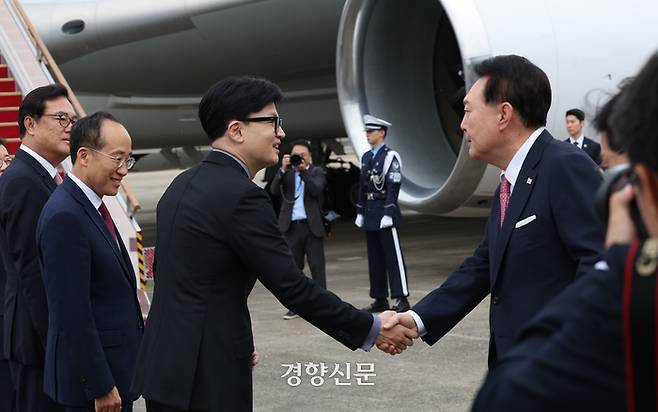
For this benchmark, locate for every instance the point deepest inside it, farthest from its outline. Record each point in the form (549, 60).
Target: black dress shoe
(401, 305)
(379, 305)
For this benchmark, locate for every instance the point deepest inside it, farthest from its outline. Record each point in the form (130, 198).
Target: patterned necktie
(504, 198)
(107, 218)
(58, 179)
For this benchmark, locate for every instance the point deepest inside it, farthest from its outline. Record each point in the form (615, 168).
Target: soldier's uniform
(379, 186)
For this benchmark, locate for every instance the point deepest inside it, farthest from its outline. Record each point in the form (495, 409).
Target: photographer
(594, 346)
(301, 187)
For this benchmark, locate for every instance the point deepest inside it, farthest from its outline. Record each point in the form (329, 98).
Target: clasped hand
(397, 332)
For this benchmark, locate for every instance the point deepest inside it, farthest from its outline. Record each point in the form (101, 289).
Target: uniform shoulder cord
(639, 325)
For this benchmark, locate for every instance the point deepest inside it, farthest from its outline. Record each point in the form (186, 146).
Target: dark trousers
(7, 394)
(385, 256)
(28, 382)
(152, 406)
(303, 242)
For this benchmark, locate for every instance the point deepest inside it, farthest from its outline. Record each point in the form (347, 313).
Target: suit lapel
(36, 166)
(98, 221)
(523, 186)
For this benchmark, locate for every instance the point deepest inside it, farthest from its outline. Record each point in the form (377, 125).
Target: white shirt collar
(43, 162)
(514, 167)
(91, 195)
(578, 140)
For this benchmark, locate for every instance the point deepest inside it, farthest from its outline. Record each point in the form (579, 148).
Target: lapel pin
(584, 145)
(529, 181)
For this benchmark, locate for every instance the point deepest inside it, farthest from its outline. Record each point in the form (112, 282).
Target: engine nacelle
(410, 62)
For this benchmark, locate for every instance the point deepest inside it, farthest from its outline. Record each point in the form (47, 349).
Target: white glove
(359, 220)
(387, 221)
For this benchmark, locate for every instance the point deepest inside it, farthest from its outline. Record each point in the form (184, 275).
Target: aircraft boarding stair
(25, 64)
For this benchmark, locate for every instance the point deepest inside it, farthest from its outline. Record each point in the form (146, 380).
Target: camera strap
(297, 192)
(639, 325)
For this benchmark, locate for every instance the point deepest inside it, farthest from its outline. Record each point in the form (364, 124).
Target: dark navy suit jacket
(592, 149)
(570, 357)
(24, 189)
(94, 323)
(524, 267)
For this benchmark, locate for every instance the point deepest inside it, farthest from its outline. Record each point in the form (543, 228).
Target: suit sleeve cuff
(372, 335)
(419, 323)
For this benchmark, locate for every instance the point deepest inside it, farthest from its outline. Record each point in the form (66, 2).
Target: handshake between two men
(398, 330)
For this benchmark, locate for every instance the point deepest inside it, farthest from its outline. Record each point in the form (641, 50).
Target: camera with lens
(615, 179)
(296, 159)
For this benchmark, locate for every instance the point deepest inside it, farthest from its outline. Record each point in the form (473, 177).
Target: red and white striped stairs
(10, 100)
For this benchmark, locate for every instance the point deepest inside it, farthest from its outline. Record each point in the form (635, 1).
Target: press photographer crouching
(301, 186)
(594, 346)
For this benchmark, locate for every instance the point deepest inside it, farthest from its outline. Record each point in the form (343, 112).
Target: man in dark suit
(301, 187)
(45, 118)
(217, 234)
(575, 124)
(542, 231)
(7, 395)
(594, 347)
(95, 323)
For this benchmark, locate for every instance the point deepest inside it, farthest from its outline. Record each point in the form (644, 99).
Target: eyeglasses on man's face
(118, 161)
(276, 121)
(64, 119)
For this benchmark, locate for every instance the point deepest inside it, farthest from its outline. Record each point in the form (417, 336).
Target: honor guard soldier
(379, 215)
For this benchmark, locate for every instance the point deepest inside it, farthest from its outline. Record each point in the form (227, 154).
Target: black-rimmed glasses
(118, 161)
(64, 119)
(275, 120)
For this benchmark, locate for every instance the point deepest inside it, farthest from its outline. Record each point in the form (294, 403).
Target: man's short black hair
(87, 132)
(634, 118)
(3, 143)
(602, 124)
(34, 103)
(301, 142)
(577, 113)
(234, 98)
(517, 80)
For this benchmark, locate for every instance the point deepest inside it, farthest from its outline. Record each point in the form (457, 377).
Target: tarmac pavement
(444, 377)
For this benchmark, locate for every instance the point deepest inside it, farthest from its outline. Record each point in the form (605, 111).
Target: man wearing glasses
(95, 323)
(217, 235)
(45, 118)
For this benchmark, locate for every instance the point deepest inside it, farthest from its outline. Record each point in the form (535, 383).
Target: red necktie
(107, 218)
(504, 198)
(58, 179)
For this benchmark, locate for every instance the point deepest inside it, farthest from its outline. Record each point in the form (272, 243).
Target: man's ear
(82, 156)
(29, 124)
(505, 114)
(234, 132)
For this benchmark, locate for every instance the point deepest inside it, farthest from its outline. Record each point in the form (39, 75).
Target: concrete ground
(444, 377)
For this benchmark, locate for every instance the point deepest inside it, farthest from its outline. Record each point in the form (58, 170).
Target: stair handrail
(49, 61)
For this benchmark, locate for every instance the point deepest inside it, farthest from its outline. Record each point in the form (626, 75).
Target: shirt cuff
(419, 323)
(372, 335)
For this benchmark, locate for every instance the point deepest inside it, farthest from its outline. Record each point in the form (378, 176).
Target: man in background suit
(95, 323)
(542, 231)
(7, 395)
(217, 235)
(575, 123)
(44, 119)
(593, 348)
(301, 188)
